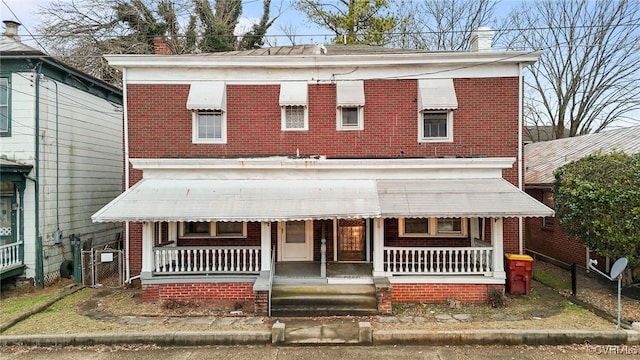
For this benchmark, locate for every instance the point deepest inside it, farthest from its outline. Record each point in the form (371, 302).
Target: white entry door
(295, 241)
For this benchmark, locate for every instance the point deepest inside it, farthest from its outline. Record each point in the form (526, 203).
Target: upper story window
(432, 227)
(294, 107)
(207, 102)
(5, 124)
(436, 102)
(211, 229)
(350, 105)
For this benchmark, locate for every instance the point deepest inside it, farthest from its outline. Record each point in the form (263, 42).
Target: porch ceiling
(306, 199)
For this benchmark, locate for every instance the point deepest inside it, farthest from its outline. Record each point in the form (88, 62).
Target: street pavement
(398, 352)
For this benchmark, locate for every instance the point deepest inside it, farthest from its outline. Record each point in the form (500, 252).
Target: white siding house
(61, 142)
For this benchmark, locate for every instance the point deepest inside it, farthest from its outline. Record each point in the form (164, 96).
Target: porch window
(295, 232)
(416, 227)
(5, 124)
(213, 229)
(432, 227)
(230, 229)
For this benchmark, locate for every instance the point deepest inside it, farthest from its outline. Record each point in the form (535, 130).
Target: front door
(295, 241)
(351, 238)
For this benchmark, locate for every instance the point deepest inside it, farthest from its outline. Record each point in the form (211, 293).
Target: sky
(25, 13)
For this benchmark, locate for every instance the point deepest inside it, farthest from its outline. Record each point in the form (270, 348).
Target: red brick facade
(485, 125)
(438, 293)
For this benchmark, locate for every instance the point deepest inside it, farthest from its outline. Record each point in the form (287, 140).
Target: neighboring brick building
(403, 163)
(544, 235)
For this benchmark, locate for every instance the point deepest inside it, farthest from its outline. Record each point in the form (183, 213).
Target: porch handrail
(438, 260)
(206, 260)
(10, 255)
(271, 273)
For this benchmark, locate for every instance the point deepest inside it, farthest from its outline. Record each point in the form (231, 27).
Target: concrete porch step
(323, 299)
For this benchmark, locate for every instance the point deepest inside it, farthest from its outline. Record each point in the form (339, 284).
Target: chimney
(160, 46)
(11, 29)
(481, 39)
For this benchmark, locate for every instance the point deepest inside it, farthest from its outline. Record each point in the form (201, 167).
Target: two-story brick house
(398, 168)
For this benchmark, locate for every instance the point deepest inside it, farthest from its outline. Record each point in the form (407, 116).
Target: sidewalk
(441, 326)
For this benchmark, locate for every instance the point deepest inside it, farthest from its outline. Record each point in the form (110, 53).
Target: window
(230, 229)
(207, 101)
(350, 105)
(432, 227)
(436, 102)
(293, 102)
(209, 127)
(5, 125)
(419, 227)
(295, 232)
(213, 229)
(195, 229)
(436, 126)
(349, 118)
(294, 118)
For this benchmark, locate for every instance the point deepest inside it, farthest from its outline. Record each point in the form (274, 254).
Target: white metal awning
(242, 200)
(207, 95)
(296, 199)
(350, 93)
(436, 94)
(456, 198)
(293, 93)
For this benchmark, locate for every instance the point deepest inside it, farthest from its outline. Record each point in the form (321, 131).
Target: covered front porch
(230, 227)
(12, 188)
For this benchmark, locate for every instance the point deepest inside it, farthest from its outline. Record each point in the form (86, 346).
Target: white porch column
(147, 250)
(378, 247)
(173, 233)
(265, 245)
(497, 242)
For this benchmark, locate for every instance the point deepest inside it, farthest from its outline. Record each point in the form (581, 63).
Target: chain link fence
(103, 268)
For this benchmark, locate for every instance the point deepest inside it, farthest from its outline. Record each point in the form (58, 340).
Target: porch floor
(334, 270)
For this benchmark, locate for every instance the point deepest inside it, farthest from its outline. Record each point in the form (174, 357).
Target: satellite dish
(618, 267)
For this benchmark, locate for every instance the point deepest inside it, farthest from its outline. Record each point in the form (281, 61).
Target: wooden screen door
(351, 237)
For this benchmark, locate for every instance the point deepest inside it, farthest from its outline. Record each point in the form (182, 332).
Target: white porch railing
(206, 260)
(10, 256)
(438, 260)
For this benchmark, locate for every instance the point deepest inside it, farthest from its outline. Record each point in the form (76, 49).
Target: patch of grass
(12, 307)
(551, 279)
(61, 318)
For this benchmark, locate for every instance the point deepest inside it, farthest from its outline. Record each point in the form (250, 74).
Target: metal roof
(456, 198)
(543, 158)
(242, 200)
(305, 199)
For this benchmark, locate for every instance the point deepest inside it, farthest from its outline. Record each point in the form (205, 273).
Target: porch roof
(456, 198)
(242, 200)
(158, 199)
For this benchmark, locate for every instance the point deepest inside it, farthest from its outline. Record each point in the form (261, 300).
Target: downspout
(520, 160)
(39, 280)
(126, 171)
(58, 234)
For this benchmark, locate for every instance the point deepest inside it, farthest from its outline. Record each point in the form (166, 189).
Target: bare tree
(81, 31)
(441, 24)
(588, 75)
